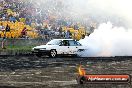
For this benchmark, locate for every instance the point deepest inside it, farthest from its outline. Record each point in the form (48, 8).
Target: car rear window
(74, 43)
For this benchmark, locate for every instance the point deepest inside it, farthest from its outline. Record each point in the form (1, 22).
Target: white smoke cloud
(108, 41)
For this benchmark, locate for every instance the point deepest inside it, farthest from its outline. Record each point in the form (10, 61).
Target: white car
(59, 47)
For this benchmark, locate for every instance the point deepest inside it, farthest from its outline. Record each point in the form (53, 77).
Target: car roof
(63, 39)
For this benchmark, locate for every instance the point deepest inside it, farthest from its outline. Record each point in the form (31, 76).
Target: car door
(63, 47)
(73, 46)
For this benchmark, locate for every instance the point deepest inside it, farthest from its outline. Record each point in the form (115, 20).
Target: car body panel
(62, 46)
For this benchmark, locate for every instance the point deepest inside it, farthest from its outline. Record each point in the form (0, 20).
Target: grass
(19, 46)
(17, 49)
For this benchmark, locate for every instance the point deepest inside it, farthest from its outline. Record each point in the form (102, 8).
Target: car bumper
(44, 52)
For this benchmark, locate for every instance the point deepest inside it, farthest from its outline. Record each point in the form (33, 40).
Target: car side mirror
(60, 44)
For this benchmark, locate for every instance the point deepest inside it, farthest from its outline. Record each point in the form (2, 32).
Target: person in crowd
(12, 19)
(24, 33)
(2, 28)
(67, 34)
(7, 29)
(60, 30)
(76, 27)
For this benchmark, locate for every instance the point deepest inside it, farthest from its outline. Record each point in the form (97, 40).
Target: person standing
(24, 32)
(67, 34)
(7, 29)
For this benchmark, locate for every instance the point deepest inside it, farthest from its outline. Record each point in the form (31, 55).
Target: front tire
(53, 53)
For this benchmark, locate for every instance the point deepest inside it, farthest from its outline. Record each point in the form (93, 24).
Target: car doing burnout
(59, 47)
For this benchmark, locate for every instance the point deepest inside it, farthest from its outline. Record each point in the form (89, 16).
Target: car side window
(64, 43)
(74, 43)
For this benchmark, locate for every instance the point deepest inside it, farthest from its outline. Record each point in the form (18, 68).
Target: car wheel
(53, 53)
(39, 55)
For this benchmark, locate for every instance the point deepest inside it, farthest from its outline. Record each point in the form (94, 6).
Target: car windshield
(54, 42)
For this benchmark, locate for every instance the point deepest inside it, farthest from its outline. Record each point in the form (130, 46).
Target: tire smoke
(108, 41)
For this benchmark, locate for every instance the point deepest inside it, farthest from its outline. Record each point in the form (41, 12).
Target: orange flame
(82, 72)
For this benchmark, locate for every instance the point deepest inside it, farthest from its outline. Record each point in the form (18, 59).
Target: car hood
(41, 46)
(45, 46)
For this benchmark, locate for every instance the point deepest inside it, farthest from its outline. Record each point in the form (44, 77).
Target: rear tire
(53, 53)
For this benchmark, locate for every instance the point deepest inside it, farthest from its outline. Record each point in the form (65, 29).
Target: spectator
(2, 28)
(24, 32)
(7, 28)
(67, 34)
(12, 19)
(46, 27)
(76, 27)
(60, 31)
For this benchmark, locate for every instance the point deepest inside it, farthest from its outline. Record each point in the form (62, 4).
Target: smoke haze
(113, 36)
(116, 11)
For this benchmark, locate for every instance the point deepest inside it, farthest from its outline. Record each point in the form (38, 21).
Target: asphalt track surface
(29, 71)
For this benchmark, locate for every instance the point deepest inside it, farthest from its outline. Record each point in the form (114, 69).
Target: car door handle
(76, 47)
